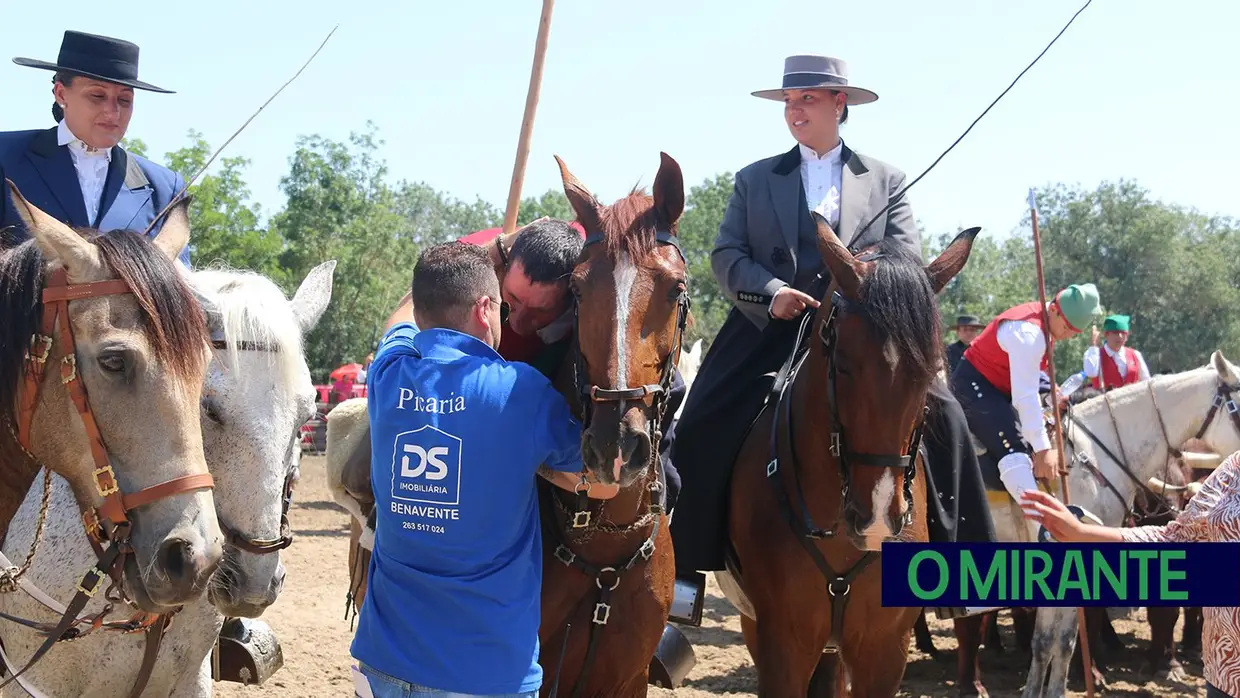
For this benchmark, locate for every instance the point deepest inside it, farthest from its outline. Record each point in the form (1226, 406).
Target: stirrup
(689, 595)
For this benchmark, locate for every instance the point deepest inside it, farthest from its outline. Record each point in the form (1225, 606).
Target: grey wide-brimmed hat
(808, 72)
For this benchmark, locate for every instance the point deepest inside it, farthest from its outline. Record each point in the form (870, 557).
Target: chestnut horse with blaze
(838, 443)
(608, 566)
(608, 570)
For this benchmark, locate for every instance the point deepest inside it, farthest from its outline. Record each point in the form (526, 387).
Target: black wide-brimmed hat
(968, 321)
(98, 57)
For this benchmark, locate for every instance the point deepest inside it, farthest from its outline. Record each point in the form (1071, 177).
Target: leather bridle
(1224, 399)
(108, 524)
(838, 584)
(607, 577)
(588, 393)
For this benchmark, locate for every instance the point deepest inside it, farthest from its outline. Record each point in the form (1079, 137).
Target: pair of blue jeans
(387, 686)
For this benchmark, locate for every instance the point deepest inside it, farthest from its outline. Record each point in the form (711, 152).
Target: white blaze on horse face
(626, 275)
(884, 490)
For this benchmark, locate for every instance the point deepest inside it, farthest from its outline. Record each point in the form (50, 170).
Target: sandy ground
(309, 619)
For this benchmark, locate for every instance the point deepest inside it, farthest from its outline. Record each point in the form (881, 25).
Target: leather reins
(106, 524)
(1223, 400)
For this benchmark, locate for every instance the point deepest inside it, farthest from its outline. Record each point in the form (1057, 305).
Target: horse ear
(58, 241)
(583, 202)
(313, 295)
(669, 192)
(945, 267)
(1225, 370)
(844, 267)
(174, 235)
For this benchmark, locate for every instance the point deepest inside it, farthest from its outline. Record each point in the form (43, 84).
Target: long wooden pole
(1063, 471)
(527, 122)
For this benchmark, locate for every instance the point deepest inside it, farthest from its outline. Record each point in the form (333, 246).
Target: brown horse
(103, 351)
(838, 443)
(608, 568)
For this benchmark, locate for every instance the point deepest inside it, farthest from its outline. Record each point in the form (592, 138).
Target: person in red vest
(1120, 364)
(997, 384)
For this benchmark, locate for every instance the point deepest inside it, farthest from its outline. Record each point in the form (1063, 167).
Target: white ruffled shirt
(822, 178)
(91, 165)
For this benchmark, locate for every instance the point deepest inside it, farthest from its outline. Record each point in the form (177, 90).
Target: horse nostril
(176, 557)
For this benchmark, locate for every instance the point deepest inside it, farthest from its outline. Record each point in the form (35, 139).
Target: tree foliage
(1173, 270)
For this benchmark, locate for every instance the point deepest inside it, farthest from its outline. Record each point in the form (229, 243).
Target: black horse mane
(901, 306)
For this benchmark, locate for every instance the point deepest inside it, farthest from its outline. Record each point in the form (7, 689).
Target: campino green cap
(1079, 305)
(1115, 323)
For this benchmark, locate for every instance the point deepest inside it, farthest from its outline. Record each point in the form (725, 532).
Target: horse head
(256, 396)
(632, 310)
(133, 336)
(878, 348)
(1222, 433)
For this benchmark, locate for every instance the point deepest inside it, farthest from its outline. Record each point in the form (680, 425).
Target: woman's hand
(789, 303)
(1051, 513)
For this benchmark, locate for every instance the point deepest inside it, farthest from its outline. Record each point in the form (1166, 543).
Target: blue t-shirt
(457, 435)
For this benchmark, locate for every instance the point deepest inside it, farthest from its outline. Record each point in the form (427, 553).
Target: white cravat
(91, 165)
(822, 178)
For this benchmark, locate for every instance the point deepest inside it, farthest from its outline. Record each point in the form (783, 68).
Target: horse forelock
(630, 226)
(252, 308)
(903, 311)
(171, 317)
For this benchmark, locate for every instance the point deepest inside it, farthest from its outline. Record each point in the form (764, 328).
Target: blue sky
(1137, 89)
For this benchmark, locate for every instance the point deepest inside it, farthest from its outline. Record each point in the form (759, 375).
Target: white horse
(1180, 403)
(256, 395)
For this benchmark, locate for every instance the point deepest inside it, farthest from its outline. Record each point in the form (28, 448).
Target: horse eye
(212, 411)
(112, 363)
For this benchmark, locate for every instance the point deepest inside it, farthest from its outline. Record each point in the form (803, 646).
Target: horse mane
(630, 226)
(902, 308)
(253, 308)
(171, 317)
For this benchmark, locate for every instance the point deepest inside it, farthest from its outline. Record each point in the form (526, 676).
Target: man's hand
(789, 303)
(1046, 465)
(1093, 335)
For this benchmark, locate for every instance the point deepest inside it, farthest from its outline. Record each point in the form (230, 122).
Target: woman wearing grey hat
(76, 171)
(766, 260)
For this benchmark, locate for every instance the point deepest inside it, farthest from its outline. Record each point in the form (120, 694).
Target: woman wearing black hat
(76, 171)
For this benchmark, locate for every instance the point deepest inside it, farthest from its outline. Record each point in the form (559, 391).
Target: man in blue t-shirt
(457, 436)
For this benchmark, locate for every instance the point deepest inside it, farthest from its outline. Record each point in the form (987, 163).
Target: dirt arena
(309, 619)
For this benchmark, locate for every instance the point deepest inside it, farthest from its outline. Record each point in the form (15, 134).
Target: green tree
(1158, 263)
(704, 209)
(552, 203)
(339, 207)
(224, 226)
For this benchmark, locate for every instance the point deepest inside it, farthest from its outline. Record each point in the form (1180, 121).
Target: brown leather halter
(107, 523)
